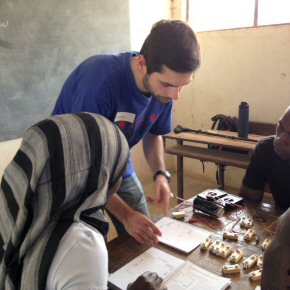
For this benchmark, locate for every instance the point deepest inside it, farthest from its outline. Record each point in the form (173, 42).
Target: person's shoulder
(111, 58)
(265, 147)
(266, 141)
(108, 64)
(85, 247)
(85, 234)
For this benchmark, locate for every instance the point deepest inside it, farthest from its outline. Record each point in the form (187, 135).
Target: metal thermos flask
(243, 126)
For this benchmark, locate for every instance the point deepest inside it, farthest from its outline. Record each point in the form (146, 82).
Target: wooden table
(195, 145)
(123, 249)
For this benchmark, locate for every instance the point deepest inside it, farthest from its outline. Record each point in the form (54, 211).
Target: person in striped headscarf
(51, 200)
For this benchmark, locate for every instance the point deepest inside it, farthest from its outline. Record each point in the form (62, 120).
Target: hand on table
(147, 281)
(142, 229)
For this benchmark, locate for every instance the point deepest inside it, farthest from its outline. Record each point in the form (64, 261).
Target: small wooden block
(260, 262)
(229, 269)
(214, 248)
(246, 222)
(206, 244)
(250, 262)
(178, 214)
(255, 275)
(236, 256)
(223, 250)
(231, 236)
(249, 234)
(226, 251)
(265, 244)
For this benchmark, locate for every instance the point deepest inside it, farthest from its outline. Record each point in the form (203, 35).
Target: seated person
(276, 263)
(52, 195)
(270, 164)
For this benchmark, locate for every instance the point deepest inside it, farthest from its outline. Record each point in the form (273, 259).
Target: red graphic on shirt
(153, 117)
(122, 124)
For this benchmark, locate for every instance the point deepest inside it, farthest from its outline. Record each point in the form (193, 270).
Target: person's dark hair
(171, 43)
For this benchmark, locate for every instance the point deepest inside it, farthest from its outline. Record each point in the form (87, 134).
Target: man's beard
(161, 99)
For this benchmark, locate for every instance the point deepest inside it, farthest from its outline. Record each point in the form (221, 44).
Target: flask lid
(244, 104)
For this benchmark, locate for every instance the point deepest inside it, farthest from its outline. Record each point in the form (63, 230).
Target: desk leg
(180, 174)
(221, 175)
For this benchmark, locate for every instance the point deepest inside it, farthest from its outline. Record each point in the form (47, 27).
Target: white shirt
(80, 262)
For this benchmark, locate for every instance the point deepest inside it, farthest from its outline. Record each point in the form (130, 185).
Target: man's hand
(142, 229)
(138, 225)
(147, 281)
(162, 194)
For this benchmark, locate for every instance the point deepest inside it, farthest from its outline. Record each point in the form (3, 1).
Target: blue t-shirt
(105, 84)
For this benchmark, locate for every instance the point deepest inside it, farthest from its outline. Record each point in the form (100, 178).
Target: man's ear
(142, 64)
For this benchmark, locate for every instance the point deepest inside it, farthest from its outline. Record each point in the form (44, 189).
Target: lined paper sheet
(176, 273)
(191, 277)
(180, 235)
(153, 260)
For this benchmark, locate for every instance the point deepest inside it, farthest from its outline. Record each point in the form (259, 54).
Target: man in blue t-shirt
(270, 164)
(136, 92)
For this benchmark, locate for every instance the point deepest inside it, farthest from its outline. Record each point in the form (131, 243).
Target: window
(206, 15)
(273, 12)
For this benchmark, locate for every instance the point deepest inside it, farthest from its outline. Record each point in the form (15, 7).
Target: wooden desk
(194, 148)
(123, 249)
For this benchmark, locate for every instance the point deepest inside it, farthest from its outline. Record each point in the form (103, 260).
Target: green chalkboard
(41, 42)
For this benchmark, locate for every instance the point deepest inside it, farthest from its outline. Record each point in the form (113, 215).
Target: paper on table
(176, 273)
(152, 260)
(191, 277)
(180, 235)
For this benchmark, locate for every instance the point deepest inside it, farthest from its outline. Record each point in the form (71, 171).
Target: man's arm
(276, 263)
(251, 194)
(154, 154)
(139, 226)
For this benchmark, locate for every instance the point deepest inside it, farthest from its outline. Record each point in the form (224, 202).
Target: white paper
(176, 273)
(152, 260)
(180, 235)
(192, 277)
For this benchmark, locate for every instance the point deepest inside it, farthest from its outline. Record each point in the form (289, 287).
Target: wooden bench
(221, 158)
(264, 129)
(210, 155)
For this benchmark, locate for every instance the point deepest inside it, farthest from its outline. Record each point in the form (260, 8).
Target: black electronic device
(208, 207)
(222, 198)
(231, 201)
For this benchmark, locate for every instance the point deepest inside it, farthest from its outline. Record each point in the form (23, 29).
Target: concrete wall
(7, 152)
(250, 65)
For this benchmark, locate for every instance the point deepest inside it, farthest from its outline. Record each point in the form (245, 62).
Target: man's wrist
(121, 210)
(165, 173)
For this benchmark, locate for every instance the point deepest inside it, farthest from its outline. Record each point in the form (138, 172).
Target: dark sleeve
(255, 177)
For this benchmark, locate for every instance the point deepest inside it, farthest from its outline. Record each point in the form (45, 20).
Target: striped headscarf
(62, 172)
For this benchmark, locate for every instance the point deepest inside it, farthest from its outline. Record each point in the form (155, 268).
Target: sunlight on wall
(143, 14)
